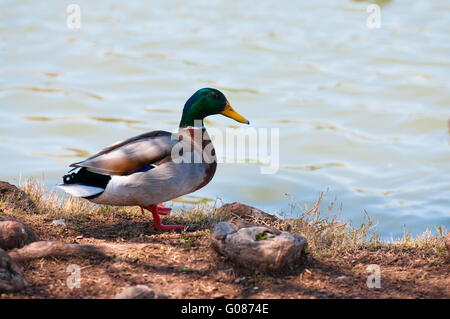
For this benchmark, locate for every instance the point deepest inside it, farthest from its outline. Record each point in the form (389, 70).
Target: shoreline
(182, 264)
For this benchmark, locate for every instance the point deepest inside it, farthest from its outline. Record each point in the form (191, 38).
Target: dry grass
(331, 235)
(327, 236)
(184, 265)
(55, 205)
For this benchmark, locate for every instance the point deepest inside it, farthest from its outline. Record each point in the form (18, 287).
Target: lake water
(361, 112)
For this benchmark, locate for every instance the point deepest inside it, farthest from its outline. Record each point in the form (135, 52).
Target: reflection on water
(48, 118)
(148, 109)
(361, 112)
(379, 2)
(114, 120)
(74, 152)
(49, 90)
(313, 167)
(193, 200)
(66, 118)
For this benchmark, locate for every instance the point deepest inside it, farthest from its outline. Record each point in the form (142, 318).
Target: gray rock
(14, 234)
(257, 247)
(140, 292)
(245, 224)
(11, 277)
(246, 211)
(249, 215)
(222, 230)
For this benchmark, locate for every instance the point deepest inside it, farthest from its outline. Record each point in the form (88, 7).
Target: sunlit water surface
(362, 113)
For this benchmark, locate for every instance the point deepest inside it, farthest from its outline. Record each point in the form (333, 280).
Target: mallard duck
(154, 167)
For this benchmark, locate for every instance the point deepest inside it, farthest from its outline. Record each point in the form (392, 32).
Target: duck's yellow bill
(229, 112)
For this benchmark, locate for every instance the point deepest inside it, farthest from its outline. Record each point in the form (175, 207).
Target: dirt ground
(181, 264)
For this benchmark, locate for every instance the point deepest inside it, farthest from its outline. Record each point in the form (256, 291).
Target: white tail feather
(79, 190)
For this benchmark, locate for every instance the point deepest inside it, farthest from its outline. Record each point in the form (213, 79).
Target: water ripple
(74, 152)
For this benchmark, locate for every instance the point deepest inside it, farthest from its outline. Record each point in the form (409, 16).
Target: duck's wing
(131, 155)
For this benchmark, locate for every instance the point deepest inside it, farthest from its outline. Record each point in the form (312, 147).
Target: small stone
(11, 277)
(59, 222)
(238, 280)
(179, 291)
(218, 295)
(14, 234)
(140, 292)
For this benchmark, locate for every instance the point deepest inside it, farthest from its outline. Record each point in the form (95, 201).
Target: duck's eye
(215, 96)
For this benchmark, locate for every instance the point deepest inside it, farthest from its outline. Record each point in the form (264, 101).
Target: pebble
(59, 222)
(238, 280)
(140, 292)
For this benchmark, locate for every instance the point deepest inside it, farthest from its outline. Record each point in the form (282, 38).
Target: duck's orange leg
(157, 210)
(163, 210)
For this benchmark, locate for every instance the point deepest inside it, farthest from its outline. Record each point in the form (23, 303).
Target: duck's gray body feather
(165, 182)
(143, 171)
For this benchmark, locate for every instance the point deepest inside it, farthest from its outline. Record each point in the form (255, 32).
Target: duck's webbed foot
(157, 210)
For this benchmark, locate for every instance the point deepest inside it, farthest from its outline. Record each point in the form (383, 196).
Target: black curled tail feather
(85, 177)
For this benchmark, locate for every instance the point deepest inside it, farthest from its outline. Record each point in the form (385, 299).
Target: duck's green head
(206, 102)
